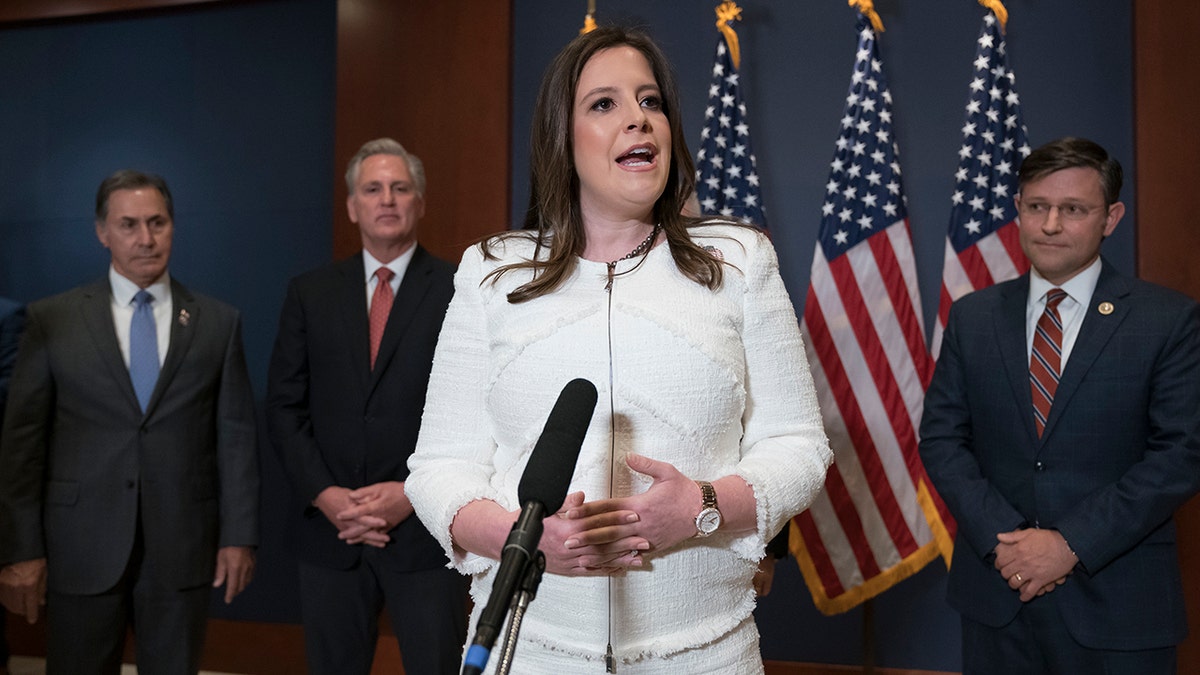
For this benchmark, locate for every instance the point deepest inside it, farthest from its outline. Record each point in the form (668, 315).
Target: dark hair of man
(1073, 153)
(554, 212)
(128, 179)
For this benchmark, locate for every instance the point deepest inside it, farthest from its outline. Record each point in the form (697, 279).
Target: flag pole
(589, 21)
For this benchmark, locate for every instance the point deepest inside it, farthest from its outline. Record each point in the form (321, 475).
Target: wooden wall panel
(1167, 83)
(435, 76)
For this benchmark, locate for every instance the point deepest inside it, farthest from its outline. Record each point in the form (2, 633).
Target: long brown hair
(554, 221)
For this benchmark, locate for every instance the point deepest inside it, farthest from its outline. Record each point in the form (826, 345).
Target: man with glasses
(1061, 427)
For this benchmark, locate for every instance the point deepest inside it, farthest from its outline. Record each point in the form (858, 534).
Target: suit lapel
(353, 300)
(413, 288)
(1095, 332)
(186, 320)
(1009, 324)
(97, 316)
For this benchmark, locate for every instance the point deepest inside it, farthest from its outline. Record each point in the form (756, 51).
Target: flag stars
(973, 226)
(1000, 190)
(997, 212)
(723, 120)
(832, 186)
(878, 156)
(742, 129)
(869, 200)
(873, 178)
(893, 187)
(854, 171)
(976, 204)
(859, 148)
(845, 215)
(865, 222)
(827, 209)
(842, 237)
(890, 209)
(738, 150)
(957, 197)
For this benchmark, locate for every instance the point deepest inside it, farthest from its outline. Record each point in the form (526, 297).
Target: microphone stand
(525, 595)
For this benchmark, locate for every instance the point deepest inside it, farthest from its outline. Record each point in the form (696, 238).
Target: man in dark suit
(345, 395)
(12, 320)
(1061, 427)
(130, 473)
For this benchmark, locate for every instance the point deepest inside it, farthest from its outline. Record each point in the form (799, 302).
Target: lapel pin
(185, 318)
(1106, 308)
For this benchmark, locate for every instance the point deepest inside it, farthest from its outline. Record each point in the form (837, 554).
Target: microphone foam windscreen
(551, 464)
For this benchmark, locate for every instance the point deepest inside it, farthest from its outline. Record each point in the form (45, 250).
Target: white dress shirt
(398, 266)
(1071, 310)
(123, 291)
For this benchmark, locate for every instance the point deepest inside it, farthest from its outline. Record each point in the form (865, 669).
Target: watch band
(709, 518)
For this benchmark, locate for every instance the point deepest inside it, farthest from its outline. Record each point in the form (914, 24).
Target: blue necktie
(143, 349)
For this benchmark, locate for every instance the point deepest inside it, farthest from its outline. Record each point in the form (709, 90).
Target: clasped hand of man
(1034, 561)
(365, 515)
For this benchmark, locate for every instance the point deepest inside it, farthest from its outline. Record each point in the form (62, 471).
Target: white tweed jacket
(714, 382)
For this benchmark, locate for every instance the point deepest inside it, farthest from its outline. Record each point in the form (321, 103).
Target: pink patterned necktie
(381, 306)
(1045, 365)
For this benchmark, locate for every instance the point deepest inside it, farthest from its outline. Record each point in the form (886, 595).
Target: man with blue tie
(1062, 427)
(128, 458)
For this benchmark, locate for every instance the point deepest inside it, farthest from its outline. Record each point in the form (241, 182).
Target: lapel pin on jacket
(185, 318)
(1106, 308)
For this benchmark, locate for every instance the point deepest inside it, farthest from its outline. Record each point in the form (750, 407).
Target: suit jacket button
(1038, 466)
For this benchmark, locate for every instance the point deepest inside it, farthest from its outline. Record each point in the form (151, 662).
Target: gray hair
(129, 179)
(385, 146)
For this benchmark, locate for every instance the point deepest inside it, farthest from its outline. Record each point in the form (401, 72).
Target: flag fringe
(867, 8)
(867, 589)
(999, 10)
(726, 12)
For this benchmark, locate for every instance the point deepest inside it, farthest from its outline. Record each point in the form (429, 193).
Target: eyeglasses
(1033, 210)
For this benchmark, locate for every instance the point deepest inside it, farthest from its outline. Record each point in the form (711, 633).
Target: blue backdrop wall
(233, 104)
(1074, 76)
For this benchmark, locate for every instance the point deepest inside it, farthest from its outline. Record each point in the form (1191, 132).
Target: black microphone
(542, 490)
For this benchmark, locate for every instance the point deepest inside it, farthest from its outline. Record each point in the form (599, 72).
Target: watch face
(708, 521)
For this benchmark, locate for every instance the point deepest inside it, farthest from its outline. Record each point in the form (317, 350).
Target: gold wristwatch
(709, 518)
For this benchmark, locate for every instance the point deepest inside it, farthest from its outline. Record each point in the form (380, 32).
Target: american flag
(878, 520)
(982, 246)
(726, 175)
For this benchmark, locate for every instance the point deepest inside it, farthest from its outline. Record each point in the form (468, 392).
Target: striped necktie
(381, 306)
(1045, 365)
(143, 348)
